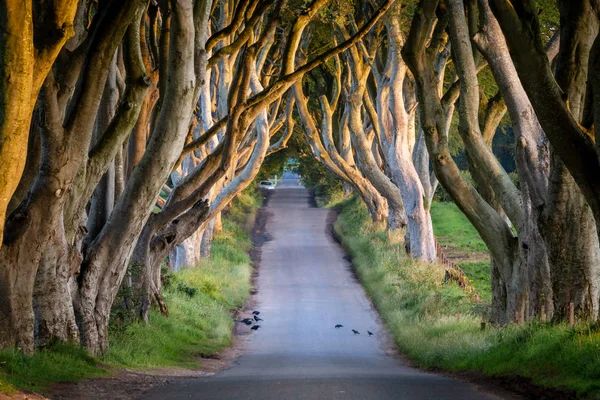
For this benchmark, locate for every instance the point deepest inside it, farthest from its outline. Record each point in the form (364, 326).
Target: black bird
(255, 312)
(356, 332)
(370, 333)
(247, 321)
(256, 318)
(255, 327)
(339, 326)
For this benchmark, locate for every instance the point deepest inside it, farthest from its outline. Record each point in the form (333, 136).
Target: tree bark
(107, 259)
(492, 228)
(531, 155)
(559, 119)
(398, 143)
(29, 47)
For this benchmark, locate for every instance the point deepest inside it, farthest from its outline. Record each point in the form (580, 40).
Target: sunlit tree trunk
(108, 256)
(398, 142)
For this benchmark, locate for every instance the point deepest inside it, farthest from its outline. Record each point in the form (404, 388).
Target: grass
(58, 363)
(200, 302)
(462, 245)
(453, 229)
(437, 326)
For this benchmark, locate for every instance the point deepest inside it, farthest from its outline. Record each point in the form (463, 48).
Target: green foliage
(336, 12)
(549, 18)
(442, 195)
(479, 274)
(199, 323)
(451, 227)
(437, 326)
(460, 240)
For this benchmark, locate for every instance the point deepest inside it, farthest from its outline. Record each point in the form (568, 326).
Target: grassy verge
(437, 326)
(462, 245)
(200, 302)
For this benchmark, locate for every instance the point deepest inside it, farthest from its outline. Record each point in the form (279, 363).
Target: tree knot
(146, 80)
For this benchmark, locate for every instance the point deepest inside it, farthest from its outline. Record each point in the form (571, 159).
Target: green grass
(59, 363)
(462, 244)
(479, 274)
(452, 228)
(200, 302)
(437, 326)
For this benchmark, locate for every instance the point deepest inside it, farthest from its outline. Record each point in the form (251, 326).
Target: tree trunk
(573, 248)
(398, 141)
(368, 166)
(34, 148)
(188, 252)
(109, 254)
(207, 239)
(531, 156)
(103, 198)
(24, 65)
(53, 305)
(341, 165)
(492, 228)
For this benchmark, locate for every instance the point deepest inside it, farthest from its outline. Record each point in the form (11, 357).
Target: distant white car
(268, 185)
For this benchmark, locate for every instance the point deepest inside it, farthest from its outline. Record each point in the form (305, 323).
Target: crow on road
(356, 332)
(339, 326)
(256, 318)
(370, 333)
(255, 312)
(255, 327)
(247, 321)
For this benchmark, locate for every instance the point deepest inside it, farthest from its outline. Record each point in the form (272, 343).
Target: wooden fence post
(543, 313)
(571, 314)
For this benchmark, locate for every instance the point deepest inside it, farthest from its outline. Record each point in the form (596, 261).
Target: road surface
(305, 288)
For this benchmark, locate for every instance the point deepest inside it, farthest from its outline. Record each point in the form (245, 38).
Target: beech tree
(564, 102)
(377, 150)
(126, 128)
(108, 133)
(539, 274)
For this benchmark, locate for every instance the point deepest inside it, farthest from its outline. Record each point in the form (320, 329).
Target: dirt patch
(21, 396)
(457, 255)
(460, 254)
(124, 385)
(516, 387)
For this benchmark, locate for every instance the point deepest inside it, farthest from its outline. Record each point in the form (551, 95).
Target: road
(305, 287)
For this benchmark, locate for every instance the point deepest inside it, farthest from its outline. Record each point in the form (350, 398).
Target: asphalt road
(305, 288)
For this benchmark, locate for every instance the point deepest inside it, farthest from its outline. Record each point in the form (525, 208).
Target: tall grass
(437, 326)
(200, 301)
